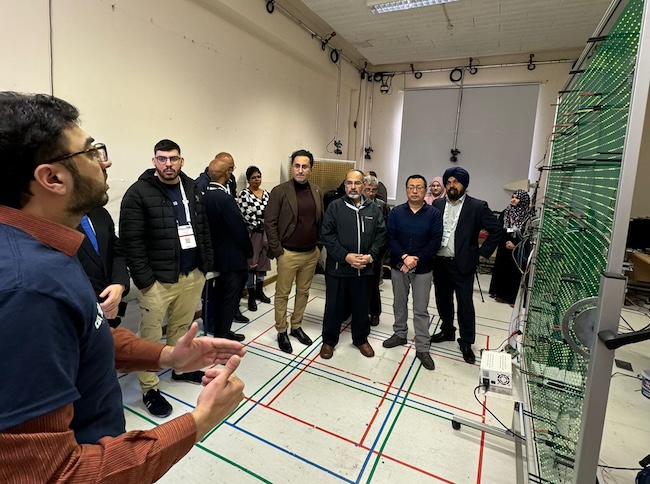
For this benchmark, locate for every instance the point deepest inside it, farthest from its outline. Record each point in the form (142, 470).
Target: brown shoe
(366, 350)
(326, 351)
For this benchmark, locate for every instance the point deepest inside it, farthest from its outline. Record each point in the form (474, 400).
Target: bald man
(205, 180)
(218, 175)
(232, 248)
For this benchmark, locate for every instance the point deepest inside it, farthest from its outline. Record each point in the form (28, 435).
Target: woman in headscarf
(513, 249)
(435, 191)
(252, 203)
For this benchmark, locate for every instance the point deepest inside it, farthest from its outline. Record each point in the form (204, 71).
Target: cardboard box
(641, 267)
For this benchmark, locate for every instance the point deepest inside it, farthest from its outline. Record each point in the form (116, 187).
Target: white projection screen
(495, 136)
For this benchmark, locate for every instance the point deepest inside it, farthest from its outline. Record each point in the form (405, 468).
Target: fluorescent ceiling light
(381, 6)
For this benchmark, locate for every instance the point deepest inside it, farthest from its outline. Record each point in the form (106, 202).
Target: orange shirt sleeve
(44, 449)
(133, 353)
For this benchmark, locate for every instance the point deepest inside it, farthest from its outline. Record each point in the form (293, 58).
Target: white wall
(387, 112)
(229, 78)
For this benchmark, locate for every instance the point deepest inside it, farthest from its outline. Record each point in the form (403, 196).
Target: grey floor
(383, 419)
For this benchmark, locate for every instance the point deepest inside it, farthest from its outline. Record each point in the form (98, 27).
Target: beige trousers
(298, 266)
(179, 302)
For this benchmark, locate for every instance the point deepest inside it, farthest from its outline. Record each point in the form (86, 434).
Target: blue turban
(458, 173)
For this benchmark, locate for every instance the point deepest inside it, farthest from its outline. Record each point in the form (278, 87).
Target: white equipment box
(496, 369)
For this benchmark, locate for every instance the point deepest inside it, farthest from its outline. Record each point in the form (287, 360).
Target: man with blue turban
(455, 264)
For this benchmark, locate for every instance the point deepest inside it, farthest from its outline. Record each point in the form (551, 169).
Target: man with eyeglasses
(292, 225)
(414, 234)
(354, 234)
(61, 410)
(455, 265)
(166, 240)
(370, 190)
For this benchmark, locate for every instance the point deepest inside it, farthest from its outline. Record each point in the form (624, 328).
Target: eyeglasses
(164, 159)
(371, 190)
(416, 188)
(97, 151)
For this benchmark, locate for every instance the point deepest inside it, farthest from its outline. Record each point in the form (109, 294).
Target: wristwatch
(370, 259)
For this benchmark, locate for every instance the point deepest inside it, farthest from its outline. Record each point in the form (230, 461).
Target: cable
(621, 468)
(518, 331)
(508, 430)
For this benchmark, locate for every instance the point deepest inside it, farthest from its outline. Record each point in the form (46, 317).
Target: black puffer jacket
(149, 234)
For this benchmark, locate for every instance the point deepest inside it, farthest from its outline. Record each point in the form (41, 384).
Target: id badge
(186, 237)
(445, 239)
(510, 230)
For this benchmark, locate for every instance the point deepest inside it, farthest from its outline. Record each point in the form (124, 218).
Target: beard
(353, 196)
(167, 174)
(88, 194)
(454, 194)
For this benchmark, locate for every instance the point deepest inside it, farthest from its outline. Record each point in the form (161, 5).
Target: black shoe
(394, 341)
(300, 335)
(426, 360)
(240, 318)
(252, 305)
(443, 336)
(374, 320)
(190, 376)
(156, 404)
(259, 292)
(468, 354)
(284, 343)
(235, 336)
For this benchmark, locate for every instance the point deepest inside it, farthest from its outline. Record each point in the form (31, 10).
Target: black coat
(348, 230)
(230, 240)
(109, 267)
(149, 233)
(474, 217)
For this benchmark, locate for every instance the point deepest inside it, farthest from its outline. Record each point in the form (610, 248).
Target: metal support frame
(612, 287)
(512, 434)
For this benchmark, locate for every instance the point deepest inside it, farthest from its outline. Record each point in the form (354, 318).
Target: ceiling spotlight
(383, 6)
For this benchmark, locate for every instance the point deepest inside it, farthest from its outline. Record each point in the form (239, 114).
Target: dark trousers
(448, 280)
(207, 312)
(374, 306)
(342, 292)
(226, 294)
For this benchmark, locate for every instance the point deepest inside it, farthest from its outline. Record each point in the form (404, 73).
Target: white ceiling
(462, 29)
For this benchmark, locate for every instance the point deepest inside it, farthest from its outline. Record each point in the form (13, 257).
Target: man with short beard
(455, 265)
(354, 234)
(166, 240)
(61, 407)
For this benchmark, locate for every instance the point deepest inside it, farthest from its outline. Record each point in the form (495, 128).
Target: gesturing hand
(222, 393)
(192, 353)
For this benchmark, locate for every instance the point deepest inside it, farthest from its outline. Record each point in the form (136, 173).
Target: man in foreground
(61, 415)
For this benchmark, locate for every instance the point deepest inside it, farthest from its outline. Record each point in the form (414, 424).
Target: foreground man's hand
(222, 393)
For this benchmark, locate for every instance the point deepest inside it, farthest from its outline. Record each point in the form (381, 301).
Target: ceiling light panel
(379, 6)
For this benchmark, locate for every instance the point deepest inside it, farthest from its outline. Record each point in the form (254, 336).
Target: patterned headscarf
(517, 216)
(430, 197)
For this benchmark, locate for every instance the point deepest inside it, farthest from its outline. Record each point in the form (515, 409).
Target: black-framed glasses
(164, 159)
(97, 151)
